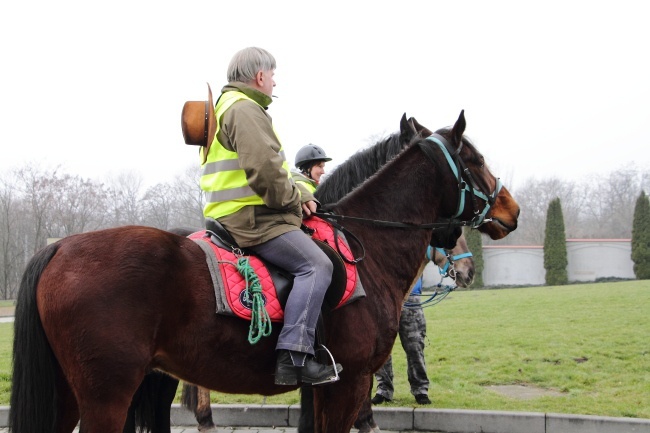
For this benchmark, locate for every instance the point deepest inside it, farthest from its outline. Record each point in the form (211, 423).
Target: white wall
(513, 265)
(588, 260)
(599, 258)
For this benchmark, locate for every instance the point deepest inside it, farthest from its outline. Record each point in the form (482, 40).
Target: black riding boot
(311, 372)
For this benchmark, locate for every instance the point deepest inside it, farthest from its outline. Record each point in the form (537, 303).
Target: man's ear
(259, 78)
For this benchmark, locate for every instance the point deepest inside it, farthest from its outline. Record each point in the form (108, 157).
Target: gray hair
(246, 63)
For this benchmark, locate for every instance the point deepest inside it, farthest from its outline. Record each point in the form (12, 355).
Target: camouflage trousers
(412, 332)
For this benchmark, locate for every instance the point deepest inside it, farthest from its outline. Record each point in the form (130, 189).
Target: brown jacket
(246, 128)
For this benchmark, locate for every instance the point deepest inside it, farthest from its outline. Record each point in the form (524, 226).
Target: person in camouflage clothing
(412, 332)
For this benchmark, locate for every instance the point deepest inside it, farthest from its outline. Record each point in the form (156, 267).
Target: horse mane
(357, 168)
(365, 163)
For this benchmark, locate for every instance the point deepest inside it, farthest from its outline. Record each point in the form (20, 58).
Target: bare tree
(178, 203)
(611, 206)
(533, 198)
(158, 206)
(11, 250)
(189, 198)
(124, 199)
(597, 207)
(78, 208)
(38, 190)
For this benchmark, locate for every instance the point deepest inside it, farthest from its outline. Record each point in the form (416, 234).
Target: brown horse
(456, 263)
(97, 311)
(150, 407)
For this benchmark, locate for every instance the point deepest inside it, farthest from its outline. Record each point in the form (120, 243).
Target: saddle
(222, 252)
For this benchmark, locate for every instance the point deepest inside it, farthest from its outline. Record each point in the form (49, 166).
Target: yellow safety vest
(223, 180)
(302, 179)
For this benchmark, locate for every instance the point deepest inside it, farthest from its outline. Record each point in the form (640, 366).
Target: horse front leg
(336, 406)
(306, 422)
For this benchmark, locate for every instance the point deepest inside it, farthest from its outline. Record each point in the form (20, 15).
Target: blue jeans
(312, 270)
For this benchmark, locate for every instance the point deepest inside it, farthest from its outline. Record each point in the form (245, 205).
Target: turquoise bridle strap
(437, 296)
(450, 259)
(429, 253)
(465, 187)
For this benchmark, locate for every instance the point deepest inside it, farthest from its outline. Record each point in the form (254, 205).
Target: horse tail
(198, 401)
(190, 397)
(150, 406)
(34, 397)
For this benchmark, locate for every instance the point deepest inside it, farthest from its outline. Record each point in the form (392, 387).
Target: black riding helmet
(308, 155)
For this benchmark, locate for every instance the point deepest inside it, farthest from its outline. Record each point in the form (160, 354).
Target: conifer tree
(641, 237)
(475, 246)
(555, 255)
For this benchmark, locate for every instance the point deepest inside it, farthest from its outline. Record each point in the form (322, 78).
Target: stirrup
(336, 372)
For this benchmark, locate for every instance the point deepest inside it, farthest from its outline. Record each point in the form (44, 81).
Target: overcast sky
(552, 88)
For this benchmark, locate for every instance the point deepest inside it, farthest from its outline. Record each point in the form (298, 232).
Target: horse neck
(356, 169)
(408, 189)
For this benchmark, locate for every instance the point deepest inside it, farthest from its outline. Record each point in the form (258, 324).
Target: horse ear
(459, 128)
(407, 130)
(403, 122)
(423, 131)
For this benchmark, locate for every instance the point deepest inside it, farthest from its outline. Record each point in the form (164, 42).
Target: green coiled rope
(260, 320)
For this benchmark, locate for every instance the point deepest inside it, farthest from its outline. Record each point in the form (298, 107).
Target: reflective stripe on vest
(308, 185)
(304, 180)
(223, 180)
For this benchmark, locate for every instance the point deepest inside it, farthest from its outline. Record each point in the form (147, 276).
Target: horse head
(456, 262)
(483, 202)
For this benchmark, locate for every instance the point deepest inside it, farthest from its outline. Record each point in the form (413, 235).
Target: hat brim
(212, 125)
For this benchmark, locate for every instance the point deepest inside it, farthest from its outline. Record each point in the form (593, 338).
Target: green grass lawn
(588, 341)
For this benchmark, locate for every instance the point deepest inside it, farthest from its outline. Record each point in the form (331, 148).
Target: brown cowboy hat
(198, 122)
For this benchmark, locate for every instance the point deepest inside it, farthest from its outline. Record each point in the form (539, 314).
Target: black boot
(311, 372)
(379, 399)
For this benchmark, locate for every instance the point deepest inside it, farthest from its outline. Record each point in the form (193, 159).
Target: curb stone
(285, 418)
